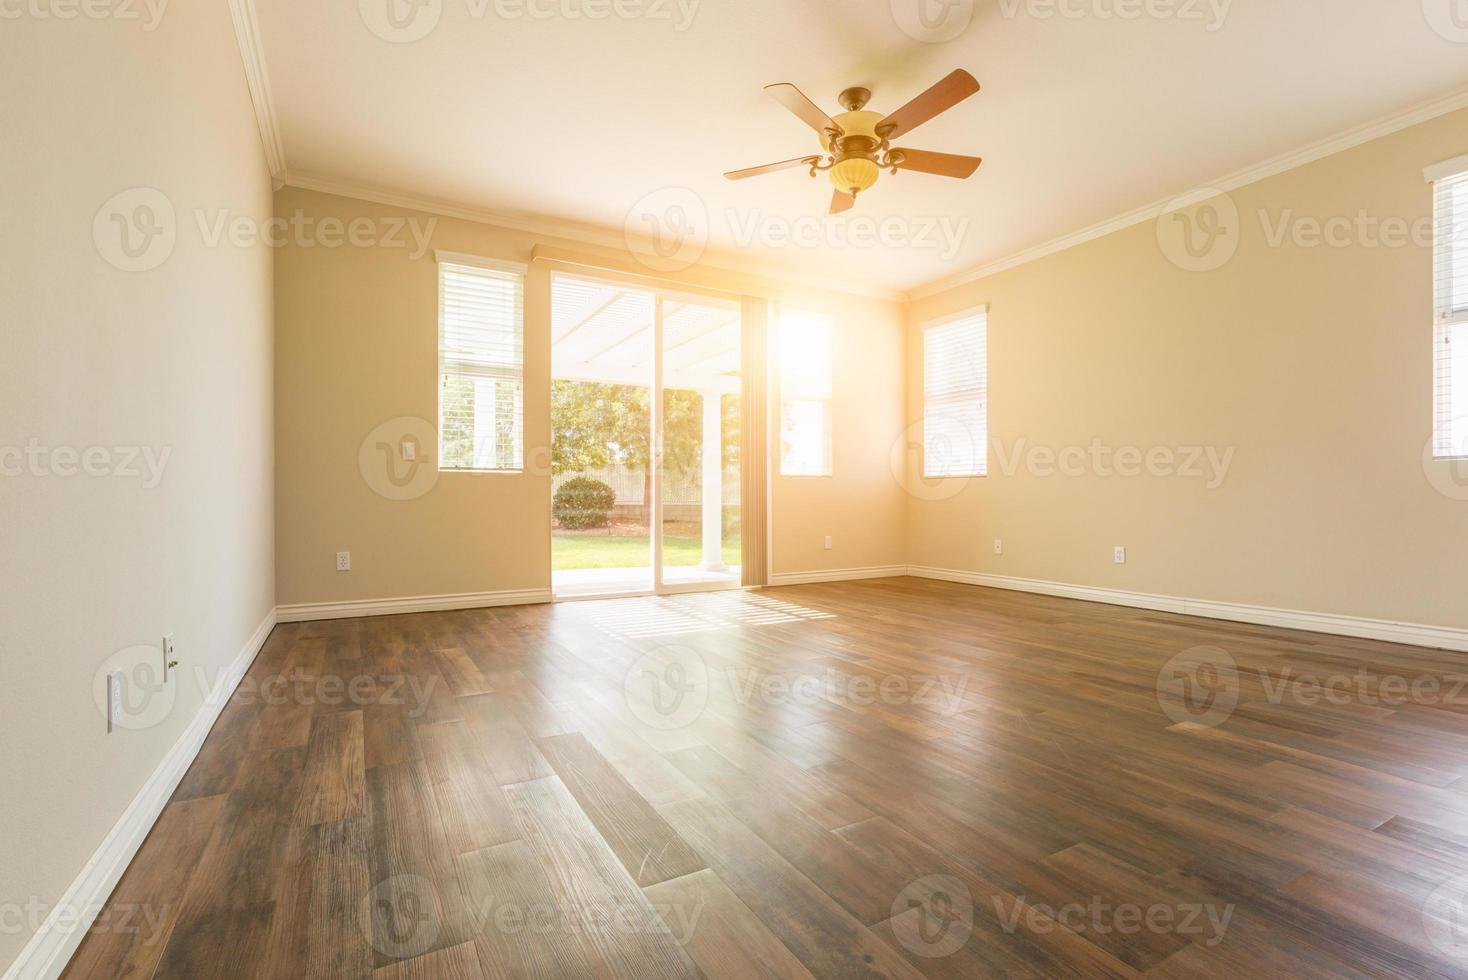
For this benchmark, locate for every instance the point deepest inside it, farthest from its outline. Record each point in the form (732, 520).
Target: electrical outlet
(114, 699)
(168, 662)
(998, 547)
(1118, 555)
(344, 561)
(828, 542)
(410, 448)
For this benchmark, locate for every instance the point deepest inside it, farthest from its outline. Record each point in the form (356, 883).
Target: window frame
(1446, 257)
(982, 459)
(516, 272)
(828, 434)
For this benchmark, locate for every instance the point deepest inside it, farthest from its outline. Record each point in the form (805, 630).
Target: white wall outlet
(1118, 555)
(998, 546)
(114, 699)
(344, 561)
(410, 448)
(168, 662)
(828, 542)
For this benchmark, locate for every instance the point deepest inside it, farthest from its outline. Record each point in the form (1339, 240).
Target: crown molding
(575, 231)
(247, 36)
(1356, 136)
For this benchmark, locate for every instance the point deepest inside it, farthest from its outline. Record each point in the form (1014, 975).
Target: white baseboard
(306, 612)
(49, 950)
(837, 575)
(1416, 634)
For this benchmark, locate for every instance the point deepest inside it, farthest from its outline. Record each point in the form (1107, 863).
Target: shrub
(582, 502)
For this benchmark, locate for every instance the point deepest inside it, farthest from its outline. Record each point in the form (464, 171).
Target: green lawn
(605, 551)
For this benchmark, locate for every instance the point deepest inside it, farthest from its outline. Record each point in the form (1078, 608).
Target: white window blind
(805, 394)
(1450, 303)
(481, 365)
(956, 397)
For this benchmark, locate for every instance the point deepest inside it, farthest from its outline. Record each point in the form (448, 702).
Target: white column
(713, 484)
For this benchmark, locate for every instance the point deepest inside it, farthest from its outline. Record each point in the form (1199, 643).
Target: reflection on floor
(604, 581)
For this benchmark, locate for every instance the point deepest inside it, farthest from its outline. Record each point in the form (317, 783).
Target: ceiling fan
(857, 143)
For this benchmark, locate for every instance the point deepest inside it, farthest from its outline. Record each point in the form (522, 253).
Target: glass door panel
(603, 470)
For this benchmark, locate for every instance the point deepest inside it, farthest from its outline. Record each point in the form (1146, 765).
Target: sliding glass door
(645, 440)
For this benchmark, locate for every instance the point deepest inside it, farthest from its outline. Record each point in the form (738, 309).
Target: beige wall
(356, 348)
(1313, 364)
(176, 359)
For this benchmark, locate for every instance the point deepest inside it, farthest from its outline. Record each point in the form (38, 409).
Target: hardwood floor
(893, 778)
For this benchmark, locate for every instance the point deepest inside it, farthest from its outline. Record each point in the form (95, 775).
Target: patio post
(713, 484)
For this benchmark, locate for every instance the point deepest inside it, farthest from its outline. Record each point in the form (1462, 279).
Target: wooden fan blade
(769, 168)
(842, 201)
(795, 100)
(942, 164)
(952, 90)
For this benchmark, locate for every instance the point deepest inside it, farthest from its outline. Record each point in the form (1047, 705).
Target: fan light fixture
(857, 145)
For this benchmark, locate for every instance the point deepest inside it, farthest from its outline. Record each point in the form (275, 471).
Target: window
(805, 394)
(1450, 305)
(481, 361)
(956, 397)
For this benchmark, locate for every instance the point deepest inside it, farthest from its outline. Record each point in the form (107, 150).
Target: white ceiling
(1081, 118)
